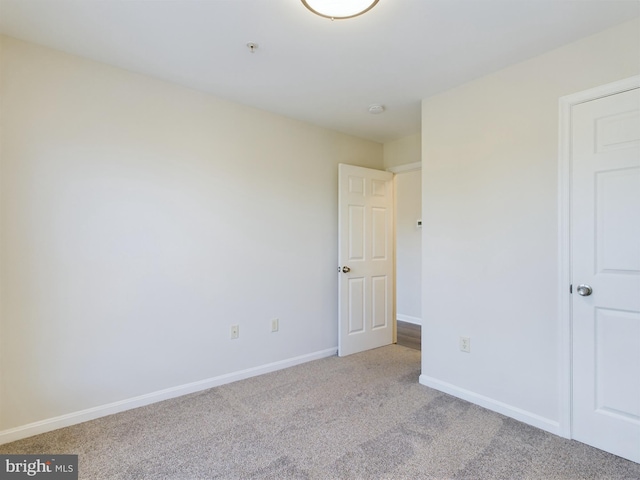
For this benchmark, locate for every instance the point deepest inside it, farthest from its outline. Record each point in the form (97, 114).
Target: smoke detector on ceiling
(376, 108)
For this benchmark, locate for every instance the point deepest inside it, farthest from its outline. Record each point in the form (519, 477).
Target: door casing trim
(408, 167)
(564, 238)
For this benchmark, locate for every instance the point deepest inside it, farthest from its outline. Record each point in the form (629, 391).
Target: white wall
(408, 246)
(140, 220)
(490, 236)
(403, 151)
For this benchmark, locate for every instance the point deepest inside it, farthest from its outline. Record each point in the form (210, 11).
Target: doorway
(365, 256)
(379, 280)
(408, 232)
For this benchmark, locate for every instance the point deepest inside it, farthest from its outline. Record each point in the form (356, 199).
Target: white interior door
(605, 211)
(365, 252)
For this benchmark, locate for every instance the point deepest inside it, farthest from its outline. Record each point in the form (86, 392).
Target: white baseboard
(409, 319)
(74, 418)
(494, 405)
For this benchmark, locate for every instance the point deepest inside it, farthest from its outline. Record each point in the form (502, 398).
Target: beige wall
(402, 151)
(139, 220)
(490, 241)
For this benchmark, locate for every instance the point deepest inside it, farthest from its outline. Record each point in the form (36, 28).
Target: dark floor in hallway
(409, 335)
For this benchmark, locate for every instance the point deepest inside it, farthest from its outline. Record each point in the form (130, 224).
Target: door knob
(346, 269)
(584, 290)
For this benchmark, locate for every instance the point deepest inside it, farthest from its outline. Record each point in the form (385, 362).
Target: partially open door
(365, 252)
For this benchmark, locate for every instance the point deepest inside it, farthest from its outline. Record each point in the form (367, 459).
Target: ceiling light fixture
(376, 109)
(339, 9)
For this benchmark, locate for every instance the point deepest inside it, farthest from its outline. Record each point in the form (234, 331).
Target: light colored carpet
(359, 417)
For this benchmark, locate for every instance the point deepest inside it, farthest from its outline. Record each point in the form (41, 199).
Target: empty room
(320, 239)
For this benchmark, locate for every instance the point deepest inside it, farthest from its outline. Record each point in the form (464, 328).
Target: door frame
(406, 168)
(564, 239)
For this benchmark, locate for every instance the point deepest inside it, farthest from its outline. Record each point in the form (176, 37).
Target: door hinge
(571, 288)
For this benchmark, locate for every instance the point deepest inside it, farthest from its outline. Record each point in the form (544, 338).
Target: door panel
(355, 300)
(379, 302)
(616, 336)
(356, 233)
(366, 248)
(606, 256)
(616, 192)
(379, 218)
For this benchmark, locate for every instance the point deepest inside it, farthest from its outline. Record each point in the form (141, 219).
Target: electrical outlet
(275, 325)
(465, 344)
(235, 331)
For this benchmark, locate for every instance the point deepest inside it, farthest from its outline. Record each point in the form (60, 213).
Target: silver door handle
(584, 290)
(346, 269)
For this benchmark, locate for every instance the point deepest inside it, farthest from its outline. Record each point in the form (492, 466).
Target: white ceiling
(308, 67)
